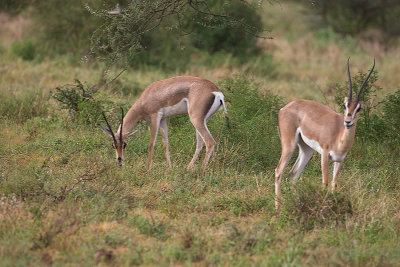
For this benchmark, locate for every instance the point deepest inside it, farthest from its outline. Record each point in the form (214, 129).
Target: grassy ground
(65, 202)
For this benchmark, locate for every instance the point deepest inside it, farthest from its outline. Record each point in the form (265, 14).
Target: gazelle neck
(132, 117)
(346, 139)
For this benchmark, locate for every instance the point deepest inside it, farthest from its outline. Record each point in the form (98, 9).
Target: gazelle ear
(131, 133)
(105, 130)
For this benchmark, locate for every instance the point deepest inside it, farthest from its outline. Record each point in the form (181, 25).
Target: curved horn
(365, 81)
(109, 127)
(122, 124)
(350, 85)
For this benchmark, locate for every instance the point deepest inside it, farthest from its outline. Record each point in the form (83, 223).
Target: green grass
(64, 200)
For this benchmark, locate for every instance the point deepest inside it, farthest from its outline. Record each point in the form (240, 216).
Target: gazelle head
(352, 106)
(119, 143)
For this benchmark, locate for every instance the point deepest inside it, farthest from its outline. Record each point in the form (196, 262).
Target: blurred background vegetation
(63, 200)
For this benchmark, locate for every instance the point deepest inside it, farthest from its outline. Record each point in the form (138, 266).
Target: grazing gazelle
(313, 126)
(198, 97)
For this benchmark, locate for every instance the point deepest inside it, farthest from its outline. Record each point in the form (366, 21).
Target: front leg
(336, 169)
(155, 124)
(325, 167)
(164, 135)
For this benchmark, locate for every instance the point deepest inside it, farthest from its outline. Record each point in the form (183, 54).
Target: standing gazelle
(198, 97)
(313, 126)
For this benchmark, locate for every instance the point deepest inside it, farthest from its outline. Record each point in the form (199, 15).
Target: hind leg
(305, 154)
(199, 113)
(199, 147)
(288, 143)
(208, 140)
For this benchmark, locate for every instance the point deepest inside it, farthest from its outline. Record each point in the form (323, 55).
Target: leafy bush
(253, 120)
(24, 49)
(13, 6)
(354, 17)
(168, 33)
(391, 118)
(228, 37)
(83, 103)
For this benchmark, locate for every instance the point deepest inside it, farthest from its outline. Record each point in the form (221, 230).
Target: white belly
(315, 145)
(179, 108)
(311, 143)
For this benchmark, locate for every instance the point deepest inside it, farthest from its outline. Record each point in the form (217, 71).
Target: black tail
(226, 114)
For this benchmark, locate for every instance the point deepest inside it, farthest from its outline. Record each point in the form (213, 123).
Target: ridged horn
(122, 125)
(365, 81)
(109, 127)
(350, 84)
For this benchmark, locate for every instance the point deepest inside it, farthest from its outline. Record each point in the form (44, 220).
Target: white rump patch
(216, 105)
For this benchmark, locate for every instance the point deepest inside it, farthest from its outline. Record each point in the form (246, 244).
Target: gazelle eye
(124, 145)
(113, 145)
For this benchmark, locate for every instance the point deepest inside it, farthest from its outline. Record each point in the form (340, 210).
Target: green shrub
(83, 103)
(391, 118)
(174, 38)
(229, 37)
(354, 17)
(13, 6)
(253, 120)
(24, 49)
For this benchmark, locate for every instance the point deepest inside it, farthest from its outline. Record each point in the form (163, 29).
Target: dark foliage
(13, 6)
(63, 26)
(391, 117)
(211, 25)
(354, 17)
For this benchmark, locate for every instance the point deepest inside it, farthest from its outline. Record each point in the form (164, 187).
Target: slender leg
(305, 154)
(210, 144)
(325, 167)
(199, 147)
(198, 117)
(164, 137)
(336, 169)
(155, 124)
(288, 146)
